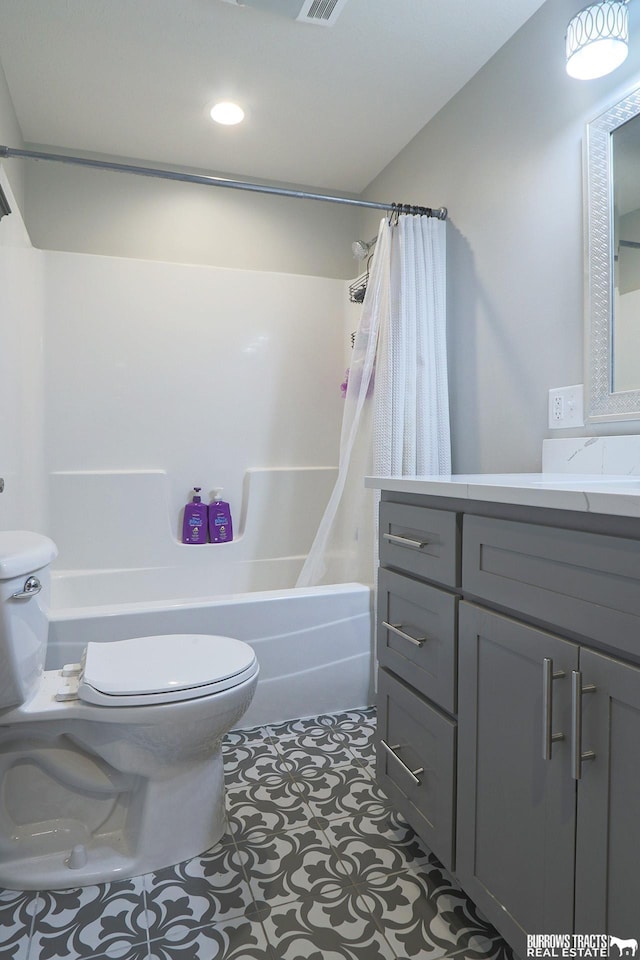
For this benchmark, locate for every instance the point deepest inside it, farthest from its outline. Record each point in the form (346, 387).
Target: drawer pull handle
(548, 676)
(397, 629)
(405, 541)
(577, 756)
(414, 774)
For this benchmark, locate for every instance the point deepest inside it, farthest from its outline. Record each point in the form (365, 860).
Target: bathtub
(314, 645)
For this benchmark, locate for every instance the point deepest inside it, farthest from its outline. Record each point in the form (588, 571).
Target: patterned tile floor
(315, 864)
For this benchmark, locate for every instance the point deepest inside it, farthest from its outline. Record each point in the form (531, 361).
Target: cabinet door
(516, 810)
(608, 830)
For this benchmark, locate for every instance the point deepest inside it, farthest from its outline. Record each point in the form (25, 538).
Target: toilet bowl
(111, 767)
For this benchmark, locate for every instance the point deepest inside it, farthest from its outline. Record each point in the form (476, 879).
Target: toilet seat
(163, 669)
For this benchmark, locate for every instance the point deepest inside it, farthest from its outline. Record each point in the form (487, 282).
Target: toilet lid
(163, 669)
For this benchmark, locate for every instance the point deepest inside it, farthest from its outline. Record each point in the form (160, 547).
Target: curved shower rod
(208, 181)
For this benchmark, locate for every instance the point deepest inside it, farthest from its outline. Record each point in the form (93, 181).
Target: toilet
(111, 767)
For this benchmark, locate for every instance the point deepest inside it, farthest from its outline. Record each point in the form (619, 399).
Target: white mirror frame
(602, 404)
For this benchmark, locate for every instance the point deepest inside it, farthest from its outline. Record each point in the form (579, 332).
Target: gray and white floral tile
(342, 791)
(327, 929)
(202, 891)
(237, 939)
(369, 847)
(418, 921)
(323, 727)
(315, 865)
(287, 866)
(272, 805)
(245, 762)
(107, 919)
(307, 751)
(17, 911)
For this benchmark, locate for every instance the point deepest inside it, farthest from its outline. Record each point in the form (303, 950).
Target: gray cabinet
(608, 811)
(582, 582)
(417, 682)
(416, 763)
(420, 541)
(516, 810)
(509, 648)
(417, 637)
(561, 827)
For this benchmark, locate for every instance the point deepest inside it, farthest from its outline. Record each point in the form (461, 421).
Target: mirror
(612, 224)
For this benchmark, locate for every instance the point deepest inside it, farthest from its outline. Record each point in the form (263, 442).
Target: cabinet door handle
(414, 774)
(577, 756)
(397, 629)
(548, 676)
(405, 541)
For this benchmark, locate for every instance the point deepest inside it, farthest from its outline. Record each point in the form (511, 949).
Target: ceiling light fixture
(227, 113)
(597, 39)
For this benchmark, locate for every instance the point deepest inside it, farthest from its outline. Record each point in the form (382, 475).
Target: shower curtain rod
(160, 174)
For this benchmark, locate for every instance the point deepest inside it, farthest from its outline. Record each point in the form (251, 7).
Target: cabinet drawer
(417, 636)
(585, 583)
(421, 541)
(416, 747)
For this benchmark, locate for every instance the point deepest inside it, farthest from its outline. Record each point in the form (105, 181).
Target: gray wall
(505, 156)
(11, 136)
(89, 211)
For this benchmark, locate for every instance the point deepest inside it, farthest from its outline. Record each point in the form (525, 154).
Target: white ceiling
(327, 107)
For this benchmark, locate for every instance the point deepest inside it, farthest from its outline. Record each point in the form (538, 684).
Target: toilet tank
(24, 598)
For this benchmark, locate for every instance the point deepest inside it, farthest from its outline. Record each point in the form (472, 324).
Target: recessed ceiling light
(227, 113)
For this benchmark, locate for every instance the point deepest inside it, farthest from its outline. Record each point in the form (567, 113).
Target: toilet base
(168, 821)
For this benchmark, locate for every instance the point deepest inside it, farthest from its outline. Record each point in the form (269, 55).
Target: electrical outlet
(566, 407)
(557, 408)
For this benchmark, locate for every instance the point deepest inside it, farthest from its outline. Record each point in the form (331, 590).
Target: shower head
(361, 248)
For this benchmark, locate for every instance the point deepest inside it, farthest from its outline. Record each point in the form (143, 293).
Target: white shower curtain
(396, 416)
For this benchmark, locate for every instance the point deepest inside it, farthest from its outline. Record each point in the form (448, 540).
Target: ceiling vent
(321, 12)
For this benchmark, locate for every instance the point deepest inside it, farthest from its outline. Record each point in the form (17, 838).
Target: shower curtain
(396, 415)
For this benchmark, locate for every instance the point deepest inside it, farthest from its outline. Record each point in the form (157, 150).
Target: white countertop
(614, 495)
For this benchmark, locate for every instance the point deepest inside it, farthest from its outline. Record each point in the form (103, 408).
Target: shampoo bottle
(194, 527)
(220, 526)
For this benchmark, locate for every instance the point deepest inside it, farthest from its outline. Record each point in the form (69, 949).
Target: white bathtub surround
(605, 455)
(396, 415)
(134, 551)
(165, 376)
(23, 502)
(202, 372)
(313, 645)
(104, 765)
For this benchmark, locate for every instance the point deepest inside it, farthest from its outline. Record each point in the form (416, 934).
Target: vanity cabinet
(417, 681)
(516, 810)
(608, 811)
(517, 693)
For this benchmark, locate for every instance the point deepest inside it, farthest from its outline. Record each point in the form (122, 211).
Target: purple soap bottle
(220, 526)
(194, 525)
